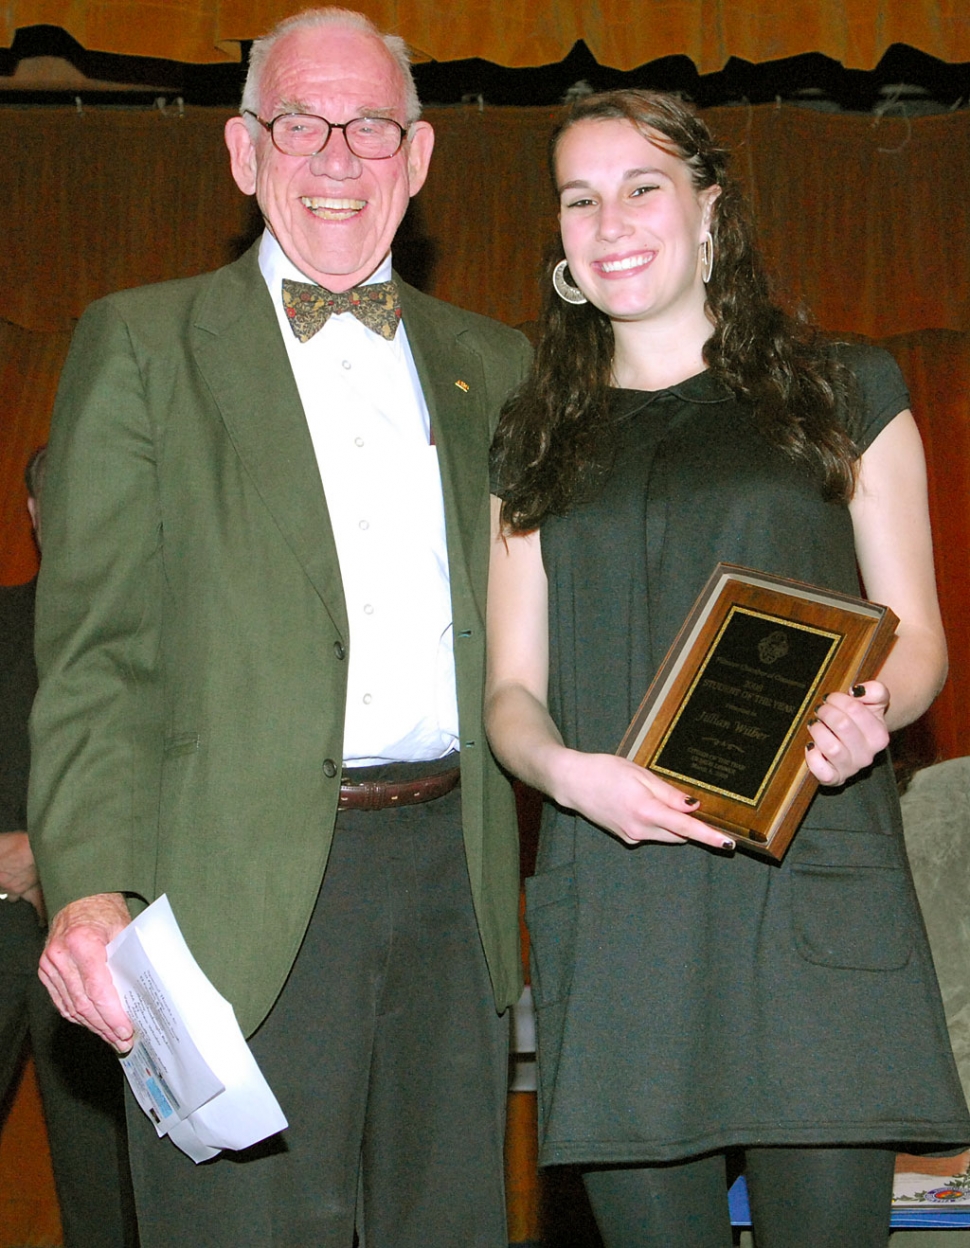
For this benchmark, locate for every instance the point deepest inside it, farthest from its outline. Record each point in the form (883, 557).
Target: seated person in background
(936, 824)
(80, 1081)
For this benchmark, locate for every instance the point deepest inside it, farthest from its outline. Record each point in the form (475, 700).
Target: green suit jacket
(192, 632)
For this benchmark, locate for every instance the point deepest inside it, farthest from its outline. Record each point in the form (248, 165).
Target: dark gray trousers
(388, 1059)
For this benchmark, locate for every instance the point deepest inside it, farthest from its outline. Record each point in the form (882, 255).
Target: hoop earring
(707, 258)
(564, 287)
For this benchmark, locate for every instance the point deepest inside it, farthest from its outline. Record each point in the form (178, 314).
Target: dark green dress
(686, 1000)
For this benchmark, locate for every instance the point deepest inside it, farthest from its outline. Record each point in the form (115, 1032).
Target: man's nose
(335, 159)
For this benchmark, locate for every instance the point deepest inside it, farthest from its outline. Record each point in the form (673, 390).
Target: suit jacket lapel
(454, 389)
(239, 351)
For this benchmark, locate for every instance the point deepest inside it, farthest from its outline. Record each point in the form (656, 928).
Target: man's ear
(242, 154)
(420, 147)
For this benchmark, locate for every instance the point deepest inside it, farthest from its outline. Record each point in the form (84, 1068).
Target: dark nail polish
(812, 723)
(692, 801)
(858, 691)
(727, 845)
(810, 746)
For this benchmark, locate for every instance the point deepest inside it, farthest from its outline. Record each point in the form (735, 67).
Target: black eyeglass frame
(331, 126)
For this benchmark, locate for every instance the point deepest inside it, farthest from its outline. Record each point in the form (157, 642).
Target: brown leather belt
(382, 794)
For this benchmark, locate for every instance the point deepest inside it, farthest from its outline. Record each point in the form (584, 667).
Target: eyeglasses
(301, 134)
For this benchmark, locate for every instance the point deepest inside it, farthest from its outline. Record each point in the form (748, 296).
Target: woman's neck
(652, 357)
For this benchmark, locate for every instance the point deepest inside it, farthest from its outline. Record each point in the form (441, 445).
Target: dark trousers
(81, 1087)
(388, 1059)
(800, 1198)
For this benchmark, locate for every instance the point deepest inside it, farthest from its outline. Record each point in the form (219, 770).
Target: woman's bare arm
(610, 791)
(894, 547)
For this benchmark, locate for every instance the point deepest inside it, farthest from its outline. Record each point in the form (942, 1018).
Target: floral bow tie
(309, 307)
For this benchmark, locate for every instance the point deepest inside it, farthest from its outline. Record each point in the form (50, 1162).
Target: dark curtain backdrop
(864, 220)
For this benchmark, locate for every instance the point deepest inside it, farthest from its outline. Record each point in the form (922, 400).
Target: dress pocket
(851, 903)
(551, 915)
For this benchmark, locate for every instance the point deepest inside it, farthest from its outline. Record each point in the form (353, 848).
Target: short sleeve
(881, 395)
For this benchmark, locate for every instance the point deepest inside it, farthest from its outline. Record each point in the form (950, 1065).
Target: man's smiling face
(333, 214)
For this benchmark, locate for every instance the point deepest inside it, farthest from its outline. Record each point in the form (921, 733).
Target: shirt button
(346, 364)
(358, 441)
(367, 699)
(329, 768)
(338, 649)
(368, 609)
(364, 524)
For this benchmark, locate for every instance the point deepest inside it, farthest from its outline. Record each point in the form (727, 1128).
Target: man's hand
(18, 873)
(74, 967)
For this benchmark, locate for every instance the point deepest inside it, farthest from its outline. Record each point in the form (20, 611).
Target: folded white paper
(190, 1067)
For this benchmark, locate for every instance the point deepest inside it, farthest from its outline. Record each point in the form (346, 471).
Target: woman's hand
(848, 732)
(626, 800)
(630, 802)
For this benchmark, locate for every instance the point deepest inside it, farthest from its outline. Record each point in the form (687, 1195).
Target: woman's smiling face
(632, 221)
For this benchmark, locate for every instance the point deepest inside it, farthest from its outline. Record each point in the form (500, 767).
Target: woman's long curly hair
(554, 441)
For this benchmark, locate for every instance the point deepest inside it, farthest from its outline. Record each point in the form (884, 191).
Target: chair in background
(936, 824)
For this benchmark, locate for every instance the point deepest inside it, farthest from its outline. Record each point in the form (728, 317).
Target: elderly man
(260, 639)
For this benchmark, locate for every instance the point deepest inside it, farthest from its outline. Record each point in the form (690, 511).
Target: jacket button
(338, 649)
(329, 768)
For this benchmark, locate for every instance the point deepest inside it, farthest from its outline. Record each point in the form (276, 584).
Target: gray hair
(311, 19)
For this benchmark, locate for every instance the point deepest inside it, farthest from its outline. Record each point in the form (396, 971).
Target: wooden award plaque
(725, 717)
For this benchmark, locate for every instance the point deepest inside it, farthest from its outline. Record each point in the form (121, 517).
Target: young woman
(692, 1000)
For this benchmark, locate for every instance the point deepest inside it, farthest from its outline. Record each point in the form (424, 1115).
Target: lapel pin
(462, 385)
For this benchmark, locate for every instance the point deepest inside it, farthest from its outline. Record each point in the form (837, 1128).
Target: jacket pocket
(851, 902)
(181, 743)
(551, 915)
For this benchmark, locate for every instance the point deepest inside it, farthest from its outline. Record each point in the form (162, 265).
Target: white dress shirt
(371, 433)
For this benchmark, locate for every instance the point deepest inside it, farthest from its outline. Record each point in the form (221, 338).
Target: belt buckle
(365, 795)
